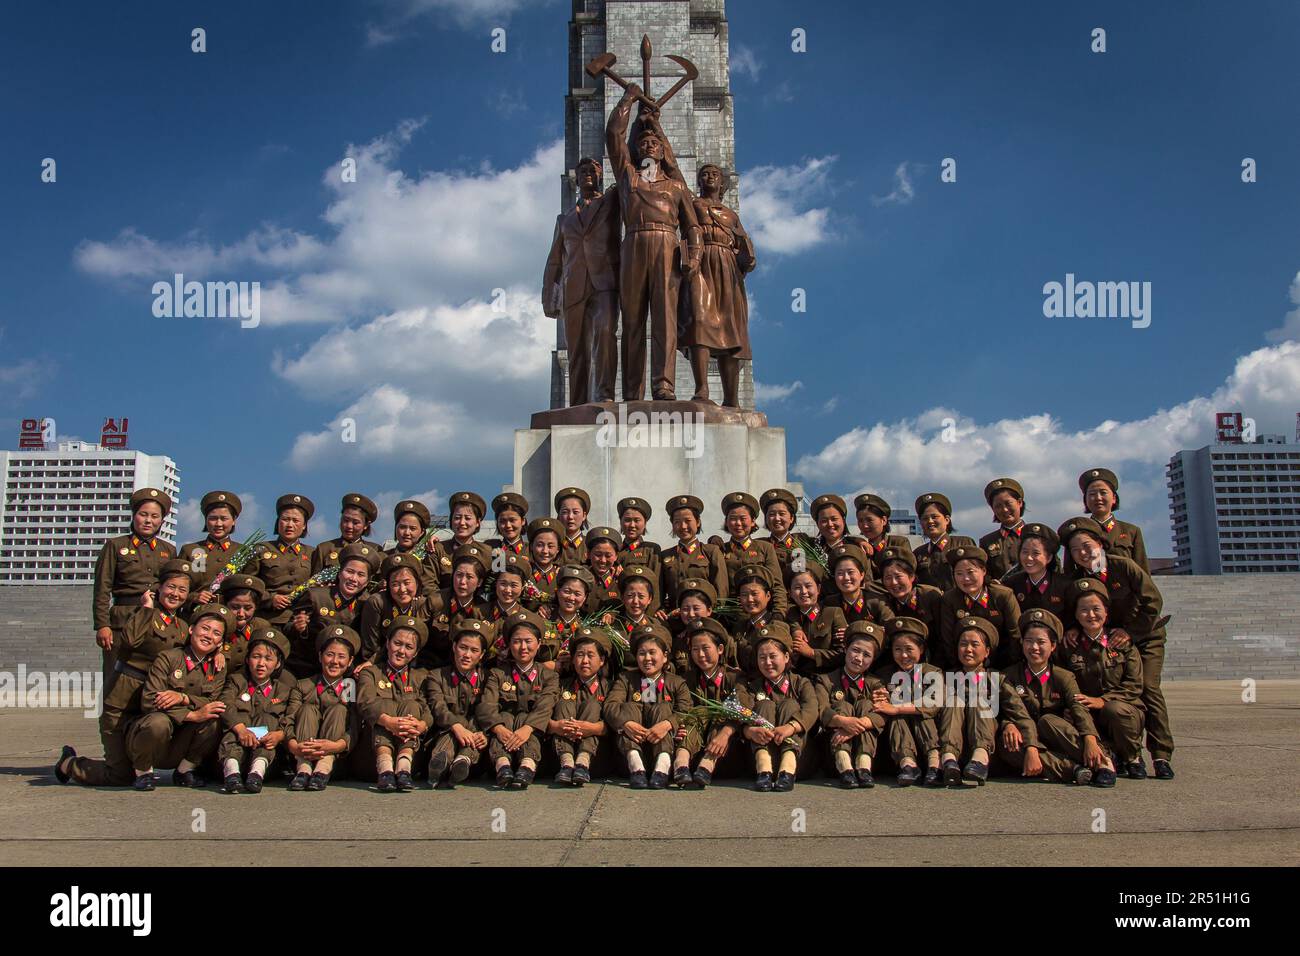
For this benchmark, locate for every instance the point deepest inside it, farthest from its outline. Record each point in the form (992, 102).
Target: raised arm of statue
(616, 132)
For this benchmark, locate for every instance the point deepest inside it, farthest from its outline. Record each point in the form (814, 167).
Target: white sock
(662, 763)
(259, 766)
(843, 761)
(229, 767)
(566, 760)
(634, 763)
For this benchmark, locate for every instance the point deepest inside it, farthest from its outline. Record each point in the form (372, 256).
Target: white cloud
(466, 14)
(904, 458)
(134, 256)
(903, 190)
(1290, 329)
(744, 62)
(772, 200)
(774, 393)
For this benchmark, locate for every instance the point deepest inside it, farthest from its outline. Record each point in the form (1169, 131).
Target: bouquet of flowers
(238, 559)
(708, 711)
(812, 553)
(422, 546)
(728, 608)
(323, 576)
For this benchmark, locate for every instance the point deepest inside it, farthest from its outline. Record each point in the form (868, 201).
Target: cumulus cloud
(764, 392)
(903, 190)
(465, 14)
(943, 450)
(1289, 331)
(773, 200)
(744, 62)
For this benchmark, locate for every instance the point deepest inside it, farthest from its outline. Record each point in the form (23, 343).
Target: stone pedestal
(650, 450)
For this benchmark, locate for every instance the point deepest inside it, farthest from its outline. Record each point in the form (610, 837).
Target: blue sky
(924, 298)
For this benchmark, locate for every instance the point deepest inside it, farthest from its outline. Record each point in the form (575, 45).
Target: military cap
(738, 499)
(516, 564)
(362, 504)
(592, 635)
(753, 572)
(244, 582)
(272, 636)
(483, 630)
(510, 501)
(1085, 586)
(874, 502)
(966, 552)
(636, 504)
(1043, 532)
(398, 560)
(864, 630)
(903, 556)
(538, 525)
(161, 498)
(1099, 474)
(576, 572)
(1038, 617)
(710, 626)
(360, 551)
(850, 551)
(301, 502)
(468, 498)
(652, 631)
(525, 618)
(773, 495)
(214, 498)
(1076, 525)
(908, 627)
(822, 502)
(176, 567)
(701, 587)
(984, 626)
(339, 632)
(473, 551)
(1003, 484)
(635, 572)
(777, 631)
(690, 502)
(936, 499)
(604, 533)
(219, 611)
(417, 508)
(408, 623)
(572, 492)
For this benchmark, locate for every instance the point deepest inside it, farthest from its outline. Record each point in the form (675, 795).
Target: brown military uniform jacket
(511, 693)
(871, 606)
(431, 572)
(147, 633)
(379, 685)
(1003, 548)
(1135, 602)
(932, 565)
(738, 554)
(1047, 595)
(843, 692)
(915, 687)
(1123, 539)
(211, 556)
(257, 705)
(315, 692)
(820, 628)
(235, 644)
(701, 560)
(1055, 695)
(801, 690)
(324, 608)
(377, 614)
(898, 542)
(999, 607)
(1103, 671)
(326, 554)
(785, 549)
(573, 552)
(179, 670)
(452, 697)
(646, 553)
(127, 567)
(445, 612)
(282, 567)
(926, 605)
(624, 703)
(869, 583)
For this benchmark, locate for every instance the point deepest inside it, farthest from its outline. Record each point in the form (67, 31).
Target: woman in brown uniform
(714, 313)
(285, 562)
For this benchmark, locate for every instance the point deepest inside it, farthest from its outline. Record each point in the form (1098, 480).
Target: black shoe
(865, 780)
(564, 776)
(951, 773)
(459, 771)
(1163, 770)
(232, 784)
(637, 780)
(581, 775)
(908, 776)
(523, 777)
(437, 766)
(59, 772)
(253, 783)
(682, 777)
(1082, 776)
(386, 783)
(702, 778)
(933, 777)
(658, 780)
(784, 782)
(849, 780)
(299, 781)
(976, 772)
(146, 782)
(188, 778)
(1103, 778)
(1136, 769)
(318, 782)
(404, 782)
(505, 777)
(763, 783)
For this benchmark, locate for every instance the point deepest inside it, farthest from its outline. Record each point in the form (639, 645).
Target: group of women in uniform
(576, 650)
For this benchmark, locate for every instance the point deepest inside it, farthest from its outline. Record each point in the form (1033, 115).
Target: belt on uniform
(715, 242)
(130, 671)
(653, 227)
(131, 601)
